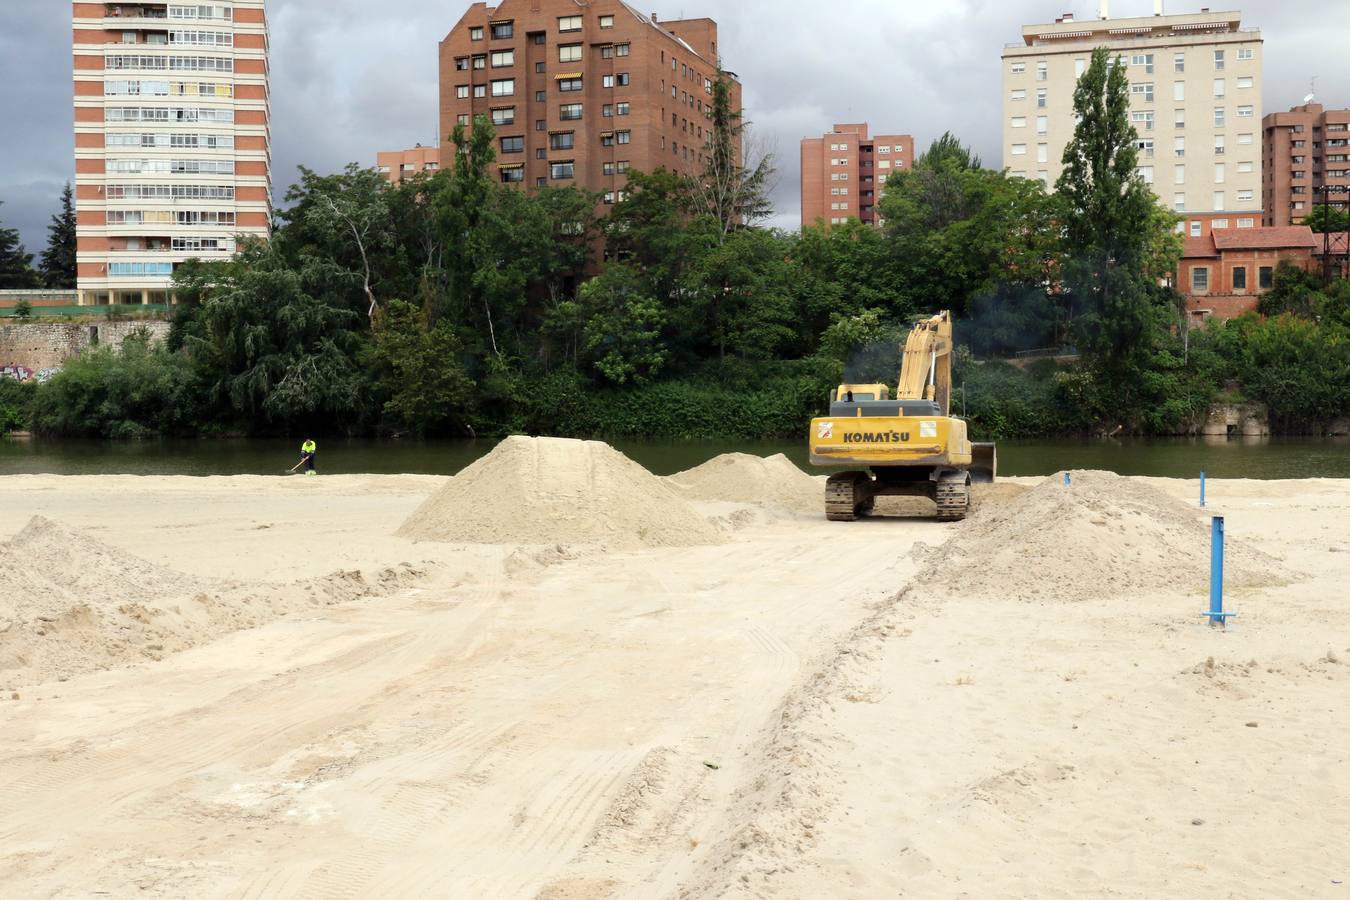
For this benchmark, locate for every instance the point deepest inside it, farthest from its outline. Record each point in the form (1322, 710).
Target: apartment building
(1195, 100)
(172, 141)
(1305, 149)
(844, 172)
(397, 165)
(581, 91)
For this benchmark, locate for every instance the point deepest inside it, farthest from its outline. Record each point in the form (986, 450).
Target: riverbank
(744, 715)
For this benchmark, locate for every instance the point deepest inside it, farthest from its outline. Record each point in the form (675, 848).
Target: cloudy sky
(350, 77)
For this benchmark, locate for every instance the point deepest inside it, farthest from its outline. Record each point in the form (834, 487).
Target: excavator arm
(926, 366)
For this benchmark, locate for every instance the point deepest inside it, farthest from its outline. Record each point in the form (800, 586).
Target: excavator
(907, 446)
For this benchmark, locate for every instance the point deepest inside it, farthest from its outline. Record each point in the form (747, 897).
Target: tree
(1324, 217)
(1111, 223)
(58, 260)
(622, 338)
(16, 264)
(421, 374)
(727, 191)
(23, 309)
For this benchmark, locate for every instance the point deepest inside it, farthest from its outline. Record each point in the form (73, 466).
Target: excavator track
(953, 499)
(848, 496)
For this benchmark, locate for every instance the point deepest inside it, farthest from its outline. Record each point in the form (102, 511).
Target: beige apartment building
(845, 171)
(172, 143)
(1195, 99)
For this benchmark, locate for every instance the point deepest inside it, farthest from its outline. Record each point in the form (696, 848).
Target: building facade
(1224, 272)
(397, 165)
(580, 92)
(1195, 101)
(1305, 149)
(172, 140)
(845, 170)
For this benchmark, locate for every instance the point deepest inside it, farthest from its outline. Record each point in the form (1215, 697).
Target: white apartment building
(1195, 99)
(172, 140)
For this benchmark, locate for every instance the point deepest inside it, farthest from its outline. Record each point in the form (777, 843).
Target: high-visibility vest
(307, 447)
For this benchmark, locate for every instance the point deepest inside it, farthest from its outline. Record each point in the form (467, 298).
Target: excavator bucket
(983, 463)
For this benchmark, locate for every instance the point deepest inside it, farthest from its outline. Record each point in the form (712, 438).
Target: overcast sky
(350, 77)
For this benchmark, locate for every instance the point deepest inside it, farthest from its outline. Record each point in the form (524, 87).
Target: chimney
(654, 19)
(1105, 9)
(1067, 17)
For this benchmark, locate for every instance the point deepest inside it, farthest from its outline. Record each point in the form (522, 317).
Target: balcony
(135, 15)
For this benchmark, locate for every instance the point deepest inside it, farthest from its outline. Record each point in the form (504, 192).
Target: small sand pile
(1103, 534)
(558, 491)
(742, 478)
(71, 604)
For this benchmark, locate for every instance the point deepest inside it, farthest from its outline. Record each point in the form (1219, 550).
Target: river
(1173, 457)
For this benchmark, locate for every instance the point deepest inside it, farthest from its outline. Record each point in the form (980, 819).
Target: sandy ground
(796, 711)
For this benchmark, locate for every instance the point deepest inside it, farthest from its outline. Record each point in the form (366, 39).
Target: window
(621, 109)
(1042, 124)
(513, 145)
(540, 68)
(1179, 62)
(504, 115)
(1145, 60)
(1079, 67)
(461, 64)
(1244, 196)
(1179, 202)
(1043, 177)
(480, 90)
(562, 140)
(1143, 90)
(540, 97)
(1019, 121)
(607, 81)
(606, 21)
(1179, 174)
(1144, 147)
(1245, 138)
(569, 112)
(561, 170)
(1018, 68)
(1145, 173)
(538, 38)
(1019, 94)
(622, 166)
(568, 85)
(1218, 117)
(1042, 153)
(1244, 112)
(512, 174)
(1178, 90)
(1245, 168)
(502, 58)
(1218, 173)
(569, 23)
(622, 79)
(1218, 200)
(1265, 277)
(1200, 274)
(1218, 145)
(1244, 82)
(476, 33)
(1019, 149)
(1218, 60)
(622, 50)
(540, 153)
(502, 31)
(624, 137)
(1179, 121)
(1218, 223)
(480, 62)
(569, 53)
(1219, 87)
(1143, 119)
(1239, 278)
(1040, 98)
(1040, 71)
(1244, 53)
(462, 91)
(462, 118)
(504, 87)
(1246, 223)
(607, 111)
(1179, 147)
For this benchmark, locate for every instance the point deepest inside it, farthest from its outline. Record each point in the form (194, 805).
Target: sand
(743, 478)
(558, 491)
(798, 709)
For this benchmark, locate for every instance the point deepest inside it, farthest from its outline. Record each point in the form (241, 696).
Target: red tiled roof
(1193, 247)
(1337, 240)
(1276, 238)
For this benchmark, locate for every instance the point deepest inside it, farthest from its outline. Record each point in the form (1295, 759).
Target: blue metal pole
(1202, 490)
(1216, 614)
(1067, 479)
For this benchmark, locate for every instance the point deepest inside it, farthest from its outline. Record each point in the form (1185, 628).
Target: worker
(307, 453)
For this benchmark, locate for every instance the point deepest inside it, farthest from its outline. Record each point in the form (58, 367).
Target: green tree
(728, 191)
(58, 260)
(16, 264)
(623, 335)
(23, 309)
(420, 371)
(1323, 217)
(1110, 221)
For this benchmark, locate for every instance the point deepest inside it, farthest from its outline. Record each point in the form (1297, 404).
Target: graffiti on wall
(23, 373)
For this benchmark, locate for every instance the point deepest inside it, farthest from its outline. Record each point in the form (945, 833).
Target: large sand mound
(558, 491)
(1101, 535)
(71, 604)
(742, 478)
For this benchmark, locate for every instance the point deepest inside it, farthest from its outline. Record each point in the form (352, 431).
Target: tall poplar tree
(58, 260)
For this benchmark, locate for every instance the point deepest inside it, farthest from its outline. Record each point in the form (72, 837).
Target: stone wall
(29, 348)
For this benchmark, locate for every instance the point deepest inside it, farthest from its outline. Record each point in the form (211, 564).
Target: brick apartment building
(1195, 100)
(845, 170)
(172, 145)
(578, 92)
(1225, 272)
(1305, 148)
(400, 164)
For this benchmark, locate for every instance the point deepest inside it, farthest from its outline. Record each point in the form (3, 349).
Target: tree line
(56, 266)
(452, 304)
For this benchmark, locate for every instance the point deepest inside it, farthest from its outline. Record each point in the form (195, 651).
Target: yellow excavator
(906, 446)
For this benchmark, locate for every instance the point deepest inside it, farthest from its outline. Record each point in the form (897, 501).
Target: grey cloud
(351, 77)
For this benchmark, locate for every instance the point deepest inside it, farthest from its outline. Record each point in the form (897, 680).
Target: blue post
(1216, 614)
(1202, 490)
(1067, 479)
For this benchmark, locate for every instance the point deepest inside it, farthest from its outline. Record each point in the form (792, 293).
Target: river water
(1178, 458)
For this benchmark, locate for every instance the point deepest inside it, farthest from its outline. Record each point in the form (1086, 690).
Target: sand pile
(558, 491)
(742, 478)
(71, 604)
(1103, 534)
